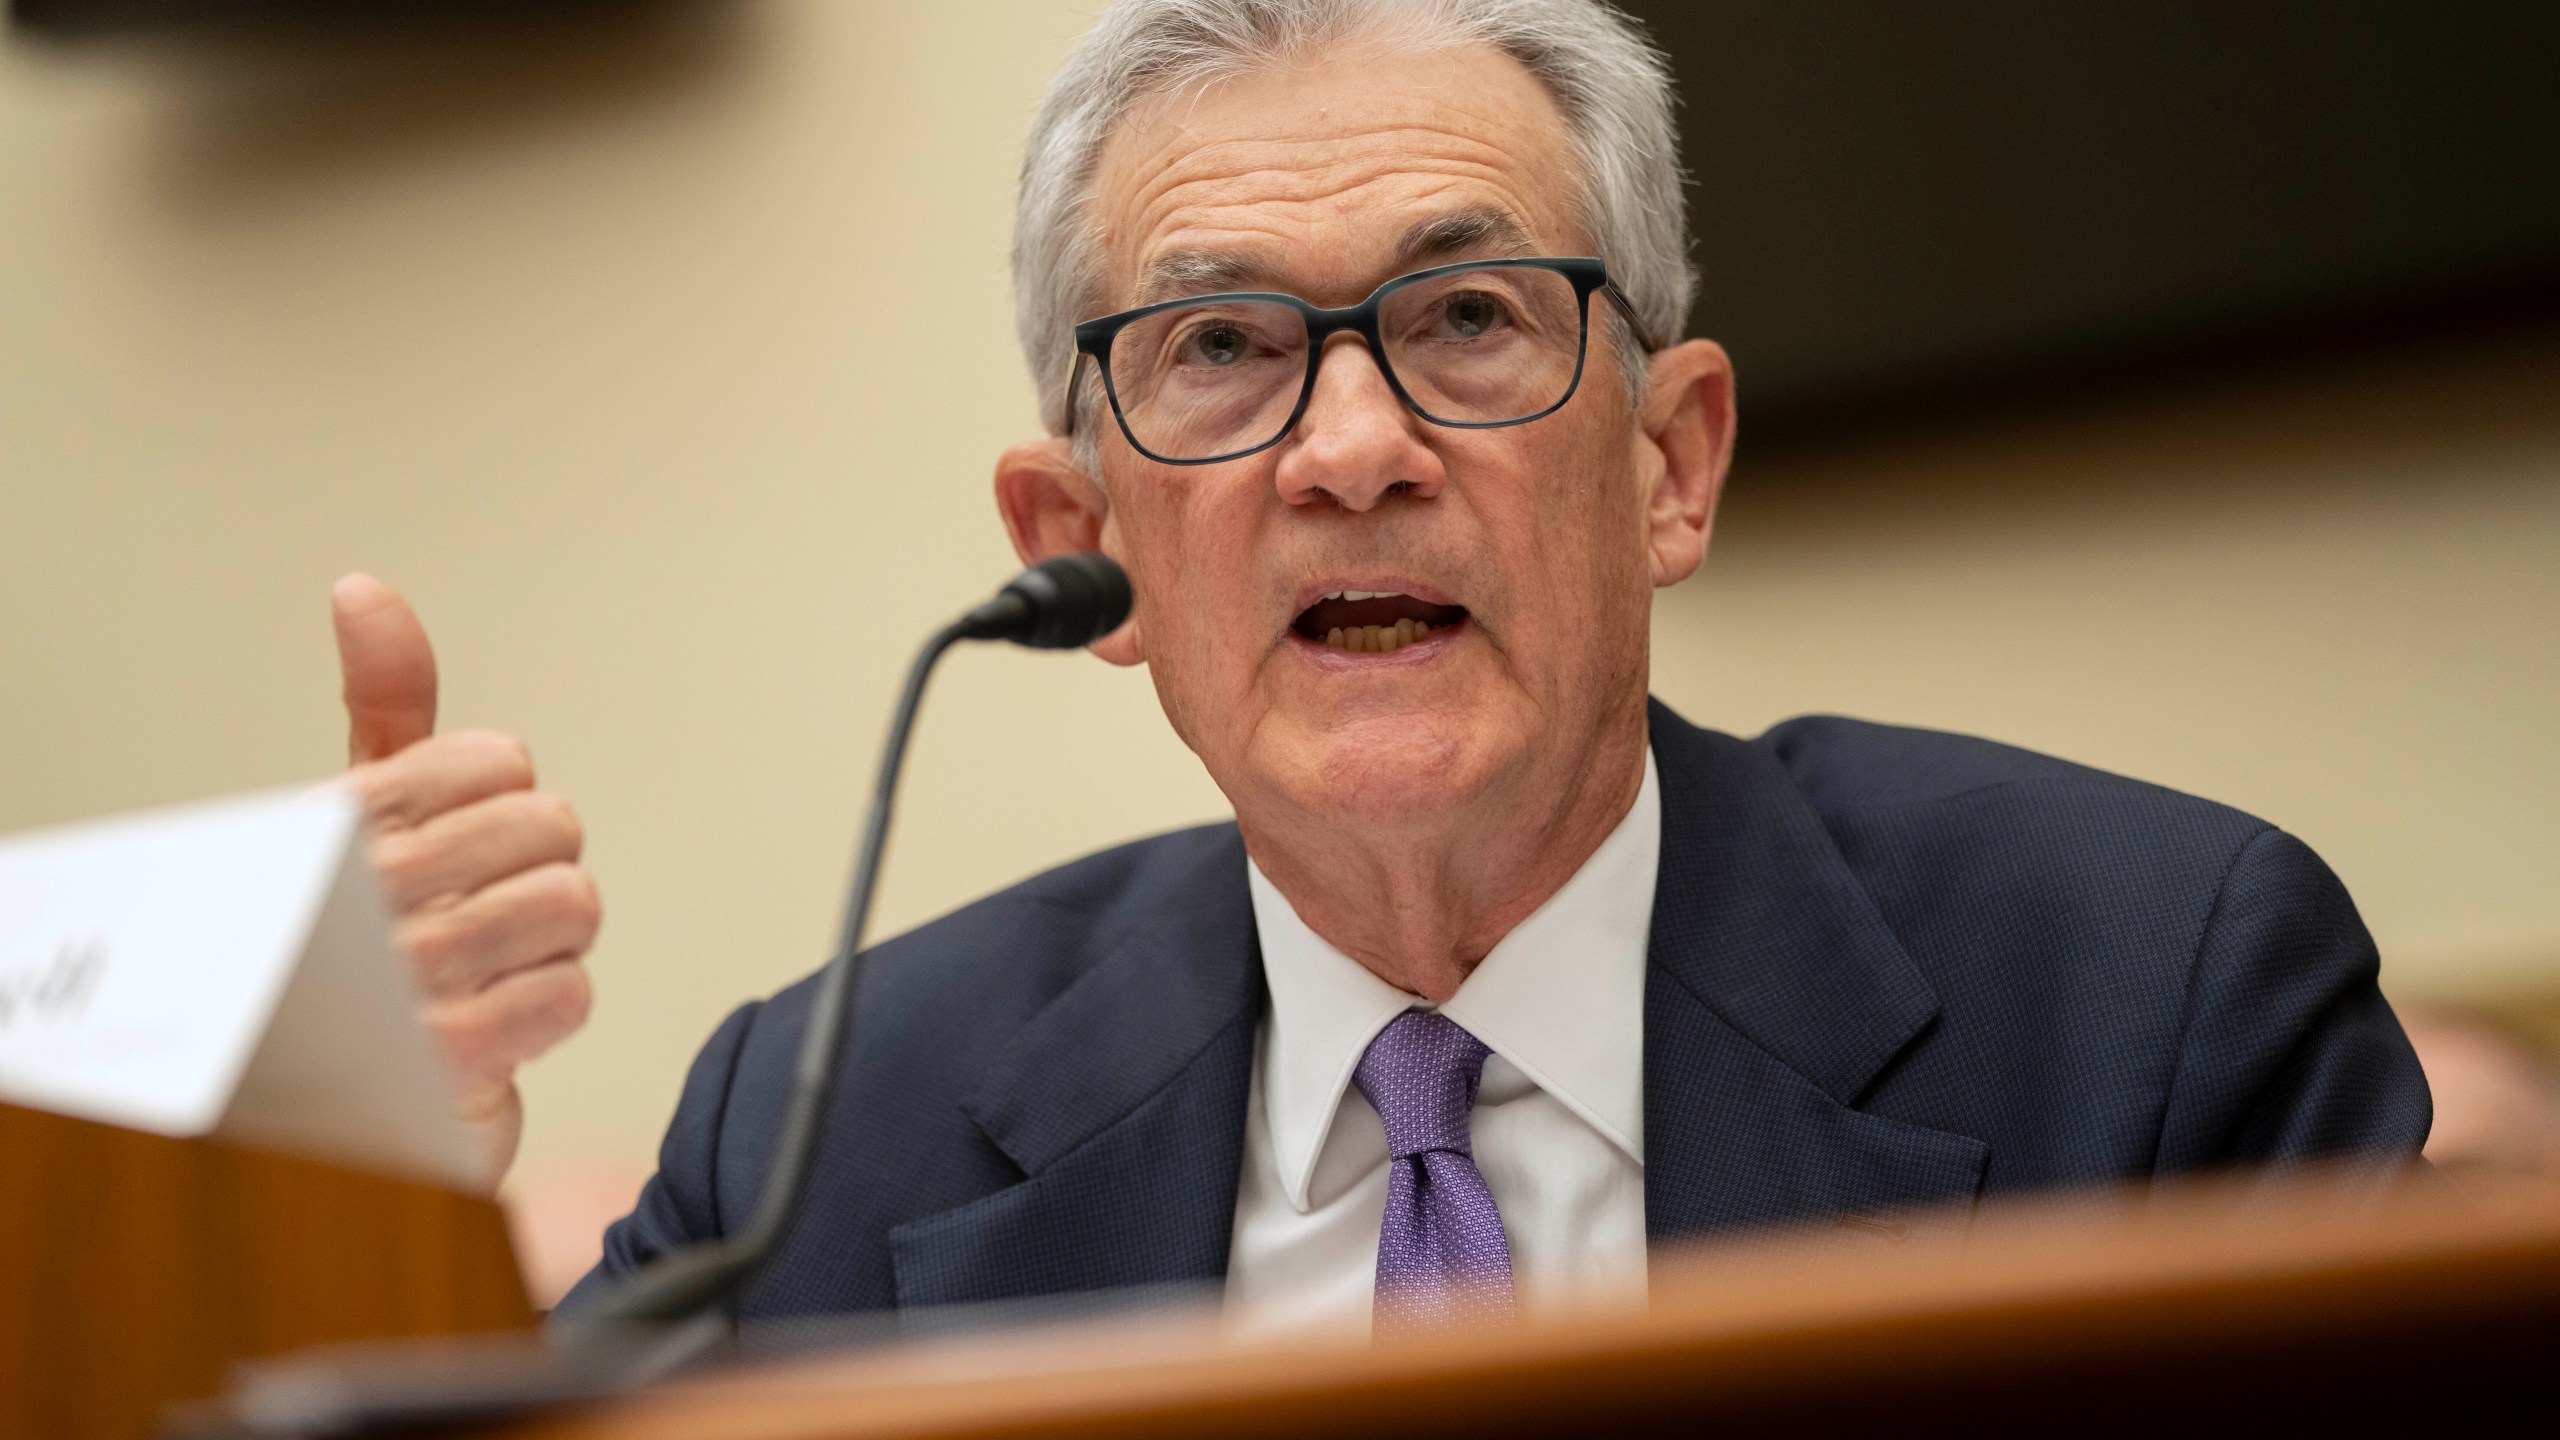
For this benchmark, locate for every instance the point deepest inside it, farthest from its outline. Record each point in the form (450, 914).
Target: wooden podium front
(134, 1269)
(2228, 1307)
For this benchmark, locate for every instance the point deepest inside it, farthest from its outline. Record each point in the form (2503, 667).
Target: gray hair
(1612, 85)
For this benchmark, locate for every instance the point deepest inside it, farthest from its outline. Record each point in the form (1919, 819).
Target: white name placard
(223, 968)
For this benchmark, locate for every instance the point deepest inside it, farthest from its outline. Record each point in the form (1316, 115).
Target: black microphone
(1058, 604)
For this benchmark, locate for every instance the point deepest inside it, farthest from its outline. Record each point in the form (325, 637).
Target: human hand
(480, 868)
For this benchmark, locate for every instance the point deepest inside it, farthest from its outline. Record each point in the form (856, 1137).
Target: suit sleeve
(2290, 1051)
(680, 1204)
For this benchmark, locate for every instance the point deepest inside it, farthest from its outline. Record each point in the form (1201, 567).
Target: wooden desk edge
(1760, 1323)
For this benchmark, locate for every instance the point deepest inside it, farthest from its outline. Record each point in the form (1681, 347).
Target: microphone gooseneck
(1058, 604)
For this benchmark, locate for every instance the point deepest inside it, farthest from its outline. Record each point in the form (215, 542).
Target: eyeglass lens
(1479, 347)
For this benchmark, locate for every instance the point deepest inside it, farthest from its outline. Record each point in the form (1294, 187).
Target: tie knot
(1421, 1073)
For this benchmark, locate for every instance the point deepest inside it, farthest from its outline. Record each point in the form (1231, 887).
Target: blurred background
(2171, 386)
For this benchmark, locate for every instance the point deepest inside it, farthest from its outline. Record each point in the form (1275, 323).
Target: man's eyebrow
(1443, 236)
(1179, 274)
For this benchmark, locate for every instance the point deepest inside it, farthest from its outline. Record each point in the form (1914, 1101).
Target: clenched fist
(481, 869)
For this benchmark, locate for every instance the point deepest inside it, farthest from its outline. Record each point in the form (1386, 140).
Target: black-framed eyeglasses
(1474, 346)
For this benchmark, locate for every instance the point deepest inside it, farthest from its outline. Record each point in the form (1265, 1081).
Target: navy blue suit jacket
(1889, 968)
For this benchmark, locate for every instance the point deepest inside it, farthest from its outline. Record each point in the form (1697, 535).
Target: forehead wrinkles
(1363, 205)
(1349, 151)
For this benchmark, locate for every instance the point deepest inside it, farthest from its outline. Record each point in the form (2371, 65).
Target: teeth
(1376, 639)
(1363, 594)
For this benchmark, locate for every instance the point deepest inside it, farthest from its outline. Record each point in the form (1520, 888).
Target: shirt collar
(1561, 997)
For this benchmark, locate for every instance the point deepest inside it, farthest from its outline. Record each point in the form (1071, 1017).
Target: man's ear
(1052, 507)
(1687, 422)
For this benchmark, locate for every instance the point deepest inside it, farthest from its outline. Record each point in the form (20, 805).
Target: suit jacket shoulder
(2133, 981)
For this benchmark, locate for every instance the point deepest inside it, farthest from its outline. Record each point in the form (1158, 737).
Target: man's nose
(1357, 443)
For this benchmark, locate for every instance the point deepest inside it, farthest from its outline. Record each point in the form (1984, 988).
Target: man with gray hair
(1357, 329)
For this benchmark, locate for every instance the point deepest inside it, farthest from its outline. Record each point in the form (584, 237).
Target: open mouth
(1374, 622)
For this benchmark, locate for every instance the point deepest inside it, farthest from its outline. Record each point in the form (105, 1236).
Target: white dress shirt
(1558, 1126)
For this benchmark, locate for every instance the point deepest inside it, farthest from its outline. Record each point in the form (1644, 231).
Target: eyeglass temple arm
(1617, 297)
(1075, 382)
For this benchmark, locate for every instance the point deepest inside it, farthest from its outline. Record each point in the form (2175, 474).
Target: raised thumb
(388, 667)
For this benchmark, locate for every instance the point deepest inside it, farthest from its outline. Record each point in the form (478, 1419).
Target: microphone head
(1065, 601)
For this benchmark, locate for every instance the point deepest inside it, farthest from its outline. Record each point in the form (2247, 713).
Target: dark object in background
(1909, 206)
(109, 17)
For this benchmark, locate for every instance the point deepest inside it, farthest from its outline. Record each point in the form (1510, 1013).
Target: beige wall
(662, 364)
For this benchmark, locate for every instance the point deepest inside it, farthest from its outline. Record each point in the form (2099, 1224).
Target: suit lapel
(1775, 995)
(1123, 1102)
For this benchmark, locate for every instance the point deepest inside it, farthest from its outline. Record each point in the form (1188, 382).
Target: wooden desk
(2295, 1308)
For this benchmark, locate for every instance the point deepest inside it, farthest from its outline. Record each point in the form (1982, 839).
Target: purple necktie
(1441, 1253)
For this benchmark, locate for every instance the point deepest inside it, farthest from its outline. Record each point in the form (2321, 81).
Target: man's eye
(1217, 345)
(1471, 314)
